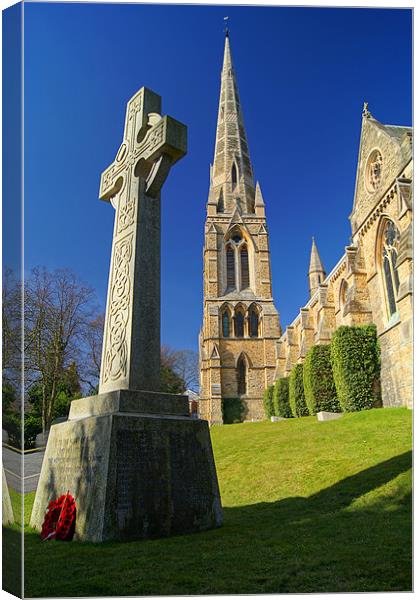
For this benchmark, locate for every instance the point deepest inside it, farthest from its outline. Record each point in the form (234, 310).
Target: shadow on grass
(323, 543)
(12, 560)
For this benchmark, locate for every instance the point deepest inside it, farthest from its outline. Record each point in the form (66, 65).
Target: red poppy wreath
(60, 519)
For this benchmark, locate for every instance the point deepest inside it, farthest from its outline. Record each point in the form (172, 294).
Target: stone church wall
(354, 293)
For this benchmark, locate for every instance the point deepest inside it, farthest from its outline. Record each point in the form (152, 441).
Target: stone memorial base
(328, 416)
(137, 465)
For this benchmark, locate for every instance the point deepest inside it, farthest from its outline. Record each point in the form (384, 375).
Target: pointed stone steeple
(316, 272)
(232, 174)
(259, 202)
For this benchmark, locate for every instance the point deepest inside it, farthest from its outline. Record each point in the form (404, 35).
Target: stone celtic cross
(132, 183)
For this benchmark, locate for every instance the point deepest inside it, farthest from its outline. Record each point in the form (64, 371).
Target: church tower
(241, 324)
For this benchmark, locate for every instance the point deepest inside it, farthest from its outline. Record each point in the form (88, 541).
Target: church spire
(232, 174)
(316, 272)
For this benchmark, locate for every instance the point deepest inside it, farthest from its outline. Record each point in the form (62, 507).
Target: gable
(384, 151)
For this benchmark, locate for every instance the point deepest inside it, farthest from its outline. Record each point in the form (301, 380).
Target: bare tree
(184, 363)
(57, 311)
(94, 339)
(11, 327)
(186, 366)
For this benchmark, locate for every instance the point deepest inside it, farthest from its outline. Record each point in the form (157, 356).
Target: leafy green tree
(170, 382)
(296, 392)
(9, 397)
(355, 358)
(268, 401)
(319, 386)
(281, 399)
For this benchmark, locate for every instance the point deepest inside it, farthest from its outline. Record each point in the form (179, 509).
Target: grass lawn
(308, 507)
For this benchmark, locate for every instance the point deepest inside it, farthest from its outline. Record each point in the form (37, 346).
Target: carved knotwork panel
(116, 355)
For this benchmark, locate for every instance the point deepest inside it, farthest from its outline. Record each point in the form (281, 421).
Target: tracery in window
(389, 251)
(373, 171)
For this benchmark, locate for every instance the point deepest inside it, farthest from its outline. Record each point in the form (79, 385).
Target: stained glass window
(389, 257)
(244, 263)
(226, 324)
(231, 277)
(239, 324)
(241, 376)
(253, 323)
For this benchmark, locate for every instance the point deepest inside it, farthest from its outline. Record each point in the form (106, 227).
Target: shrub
(296, 392)
(32, 426)
(281, 400)
(319, 386)
(233, 409)
(355, 358)
(268, 404)
(12, 424)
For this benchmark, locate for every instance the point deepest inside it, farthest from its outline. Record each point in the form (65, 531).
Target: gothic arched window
(343, 293)
(244, 266)
(226, 323)
(389, 250)
(220, 205)
(231, 276)
(239, 323)
(234, 176)
(241, 376)
(253, 322)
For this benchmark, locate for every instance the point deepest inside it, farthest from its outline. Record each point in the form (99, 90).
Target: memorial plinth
(134, 473)
(137, 465)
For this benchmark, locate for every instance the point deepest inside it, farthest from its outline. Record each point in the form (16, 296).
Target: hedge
(281, 400)
(268, 401)
(319, 386)
(296, 393)
(355, 358)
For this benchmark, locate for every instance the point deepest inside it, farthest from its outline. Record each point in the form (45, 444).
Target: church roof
(316, 264)
(395, 131)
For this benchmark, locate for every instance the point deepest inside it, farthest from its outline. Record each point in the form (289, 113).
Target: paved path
(13, 468)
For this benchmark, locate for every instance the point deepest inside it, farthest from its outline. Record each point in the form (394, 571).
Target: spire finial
(365, 112)
(226, 30)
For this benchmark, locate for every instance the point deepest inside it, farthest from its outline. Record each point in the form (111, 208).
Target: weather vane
(226, 26)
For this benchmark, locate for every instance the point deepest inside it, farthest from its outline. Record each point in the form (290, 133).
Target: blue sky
(303, 74)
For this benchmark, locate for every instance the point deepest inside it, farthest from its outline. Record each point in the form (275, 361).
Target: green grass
(308, 507)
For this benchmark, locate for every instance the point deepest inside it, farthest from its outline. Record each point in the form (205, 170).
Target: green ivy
(281, 400)
(319, 386)
(268, 404)
(296, 393)
(355, 358)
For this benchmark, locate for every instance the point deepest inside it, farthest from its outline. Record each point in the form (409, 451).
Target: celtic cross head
(151, 146)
